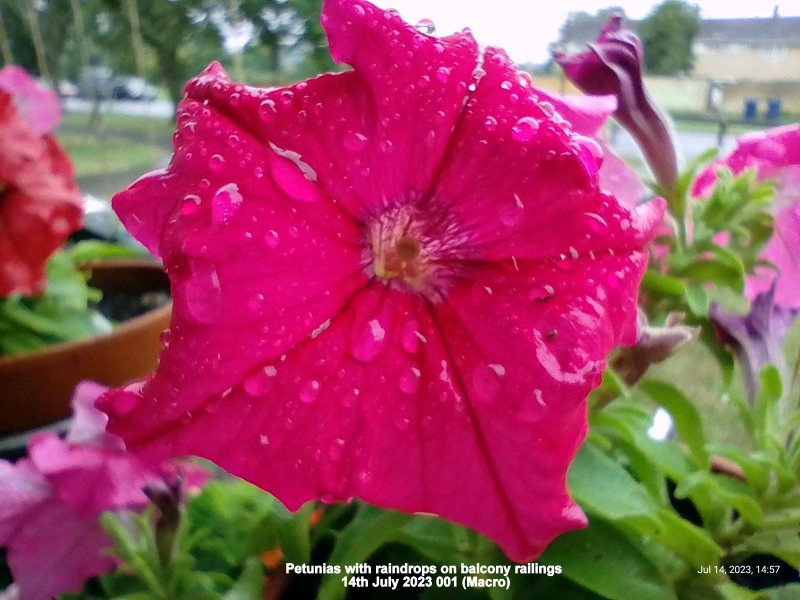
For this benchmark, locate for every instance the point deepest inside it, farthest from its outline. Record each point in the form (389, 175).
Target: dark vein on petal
(479, 435)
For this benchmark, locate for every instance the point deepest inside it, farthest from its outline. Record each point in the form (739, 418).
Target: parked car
(124, 87)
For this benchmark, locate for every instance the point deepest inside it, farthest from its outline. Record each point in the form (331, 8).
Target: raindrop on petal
(409, 380)
(226, 203)
(443, 74)
(368, 339)
(309, 392)
(355, 141)
(426, 26)
(525, 129)
(486, 382)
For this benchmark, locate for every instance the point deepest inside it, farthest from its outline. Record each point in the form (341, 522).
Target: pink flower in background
(39, 105)
(397, 283)
(774, 154)
(40, 205)
(588, 115)
(50, 502)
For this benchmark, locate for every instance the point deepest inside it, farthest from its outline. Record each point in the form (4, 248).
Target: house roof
(751, 32)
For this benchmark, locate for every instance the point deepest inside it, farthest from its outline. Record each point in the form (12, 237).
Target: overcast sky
(526, 27)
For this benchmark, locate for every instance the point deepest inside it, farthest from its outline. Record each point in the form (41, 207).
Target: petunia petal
(56, 552)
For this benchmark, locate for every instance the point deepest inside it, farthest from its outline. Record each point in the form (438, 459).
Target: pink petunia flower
(588, 115)
(39, 105)
(774, 154)
(50, 502)
(397, 283)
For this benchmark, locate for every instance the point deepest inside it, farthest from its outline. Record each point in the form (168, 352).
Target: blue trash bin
(773, 110)
(750, 109)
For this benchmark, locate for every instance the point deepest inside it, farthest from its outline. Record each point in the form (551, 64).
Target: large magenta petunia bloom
(397, 283)
(40, 205)
(774, 154)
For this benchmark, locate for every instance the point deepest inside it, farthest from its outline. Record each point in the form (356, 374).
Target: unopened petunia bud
(755, 338)
(613, 65)
(654, 345)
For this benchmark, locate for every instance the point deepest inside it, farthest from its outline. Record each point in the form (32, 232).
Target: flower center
(413, 249)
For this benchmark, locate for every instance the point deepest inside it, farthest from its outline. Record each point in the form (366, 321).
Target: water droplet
(226, 203)
(442, 74)
(309, 392)
(263, 439)
(486, 382)
(402, 423)
(409, 380)
(233, 141)
(256, 303)
(596, 223)
(591, 145)
(506, 85)
(322, 327)
(203, 293)
(286, 97)
(355, 141)
(190, 205)
(386, 146)
(216, 163)
(547, 108)
(530, 409)
(426, 26)
(368, 340)
(358, 10)
(525, 129)
(511, 214)
(544, 292)
(424, 82)
(259, 382)
(350, 399)
(336, 449)
(411, 337)
(272, 239)
(267, 109)
(490, 124)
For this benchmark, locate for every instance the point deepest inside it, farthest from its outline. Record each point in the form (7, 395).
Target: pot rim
(123, 328)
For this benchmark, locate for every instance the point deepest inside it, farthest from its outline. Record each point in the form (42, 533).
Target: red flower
(397, 283)
(40, 205)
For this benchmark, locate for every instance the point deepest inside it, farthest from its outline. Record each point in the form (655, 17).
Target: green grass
(93, 156)
(156, 131)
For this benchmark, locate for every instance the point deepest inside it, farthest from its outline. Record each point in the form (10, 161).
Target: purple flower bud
(755, 338)
(613, 65)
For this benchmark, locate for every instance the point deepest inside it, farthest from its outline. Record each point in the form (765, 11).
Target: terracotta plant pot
(36, 388)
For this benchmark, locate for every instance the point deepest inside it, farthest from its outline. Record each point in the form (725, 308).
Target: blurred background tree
(668, 33)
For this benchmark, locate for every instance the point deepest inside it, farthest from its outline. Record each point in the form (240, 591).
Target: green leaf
(601, 486)
(370, 529)
(686, 417)
(88, 251)
(294, 536)
(661, 284)
(786, 592)
(697, 299)
(250, 584)
(603, 560)
(765, 407)
(692, 543)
